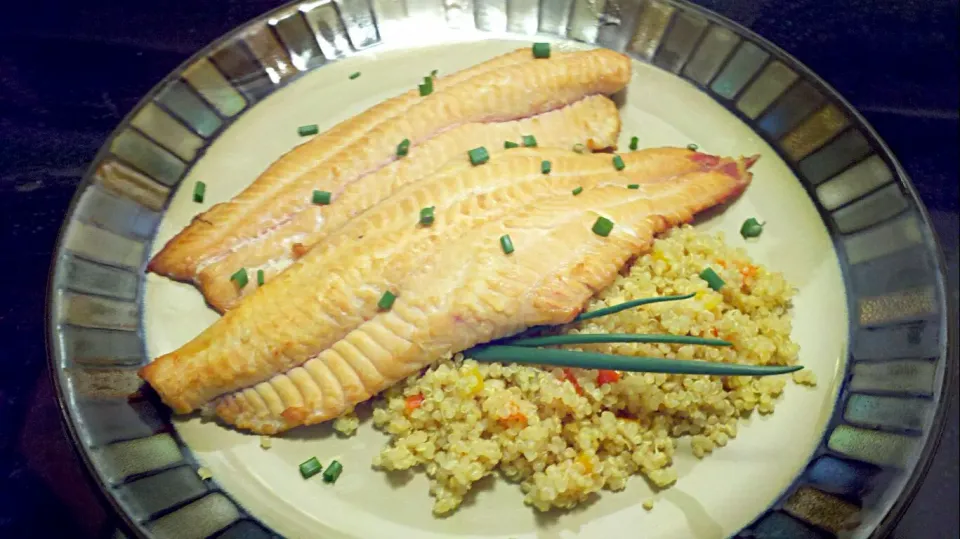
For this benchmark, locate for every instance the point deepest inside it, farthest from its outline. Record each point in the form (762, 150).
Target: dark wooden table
(70, 70)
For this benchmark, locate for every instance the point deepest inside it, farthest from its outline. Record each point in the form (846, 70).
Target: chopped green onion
(751, 228)
(633, 186)
(322, 197)
(310, 467)
(427, 87)
(618, 163)
(579, 148)
(354, 75)
(261, 277)
(332, 472)
(426, 216)
(713, 280)
(603, 226)
(693, 147)
(508, 144)
(307, 130)
(386, 300)
(530, 141)
(199, 189)
(577, 191)
(541, 50)
(240, 277)
(403, 148)
(545, 167)
(506, 244)
(478, 156)
(634, 142)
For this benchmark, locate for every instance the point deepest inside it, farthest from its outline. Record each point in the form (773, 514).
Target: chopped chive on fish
(618, 163)
(403, 148)
(478, 156)
(386, 300)
(713, 280)
(332, 473)
(240, 277)
(579, 148)
(321, 197)
(634, 142)
(693, 147)
(545, 167)
(307, 130)
(310, 467)
(633, 186)
(509, 144)
(427, 87)
(751, 228)
(577, 191)
(261, 278)
(602, 227)
(426, 216)
(506, 244)
(541, 50)
(354, 75)
(199, 189)
(530, 141)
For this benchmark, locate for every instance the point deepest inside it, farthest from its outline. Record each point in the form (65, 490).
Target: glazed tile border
(887, 411)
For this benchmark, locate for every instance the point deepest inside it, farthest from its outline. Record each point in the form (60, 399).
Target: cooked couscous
(563, 434)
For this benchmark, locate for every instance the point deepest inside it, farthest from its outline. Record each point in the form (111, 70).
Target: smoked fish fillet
(593, 122)
(473, 293)
(336, 286)
(504, 89)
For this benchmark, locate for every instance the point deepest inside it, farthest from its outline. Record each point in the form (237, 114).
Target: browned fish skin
(512, 89)
(334, 287)
(474, 293)
(594, 120)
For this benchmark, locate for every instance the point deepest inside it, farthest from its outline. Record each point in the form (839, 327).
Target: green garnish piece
(713, 280)
(506, 244)
(322, 197)
(577, 191)
(261, 277)
(386, 300)
(751, 228)
(633, 186)
(433, 73)
(693, 147)
(530, 141)
(426, 215)
(310, 467)
(199, 189)
(618, 163)
(240, 277)
(634, 142)
(354, 75)
(478, 156)
(545, 167)
(332, 472)
(307, 130)
(508, 144)
(602, 227)
(579, 148)
(427, 87)
(403, 148)
(541, 50)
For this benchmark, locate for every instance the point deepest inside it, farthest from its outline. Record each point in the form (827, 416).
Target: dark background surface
(70, 71)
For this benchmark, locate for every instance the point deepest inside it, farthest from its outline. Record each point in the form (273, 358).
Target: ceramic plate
(844, 227)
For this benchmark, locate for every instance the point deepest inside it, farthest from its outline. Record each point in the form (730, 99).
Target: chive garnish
(751, 228)
(321, 197)
(199, 189)
(634, 142)
(618, 163)
(509, 144)
(601, 338)
(602, 227)
(633, 186)
(506, 244)
(386, 300)
(577, 191)
(427, 87)
(713, 280)
(354, 75)
(261, 277)
(434, 73)
(478, 156)
(332, 472)
(541, 50)
(579, 148)
(307, 130)
(403, 148)
(693, 147)
(530, 141)
(426, 216)
(240, 277)
(613, 309)
(545, 167)
(310, 467)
